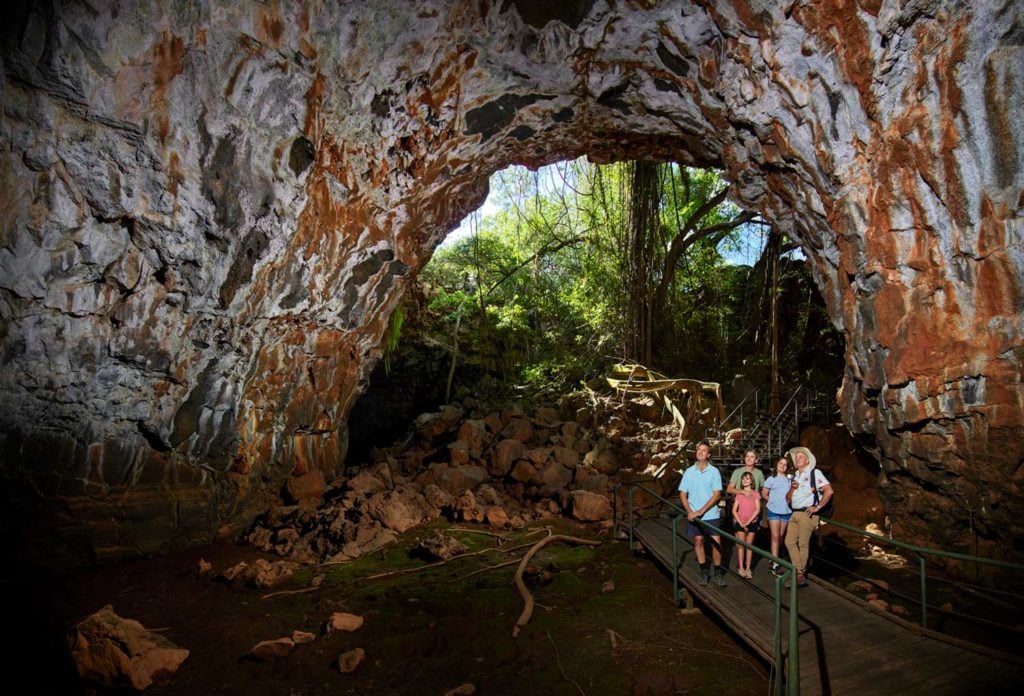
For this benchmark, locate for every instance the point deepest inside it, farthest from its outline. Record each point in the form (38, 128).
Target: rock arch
(209, 212)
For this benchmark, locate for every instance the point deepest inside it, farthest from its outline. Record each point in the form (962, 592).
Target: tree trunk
(773, 319)
(644, 204)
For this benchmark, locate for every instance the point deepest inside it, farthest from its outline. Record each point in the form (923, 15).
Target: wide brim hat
(811, 460)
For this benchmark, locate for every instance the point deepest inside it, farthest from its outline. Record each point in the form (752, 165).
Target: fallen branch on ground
(524, 618)
(405, 571)
(291, 592)
(484, 570)
(558, 661)
(502, 537)
(615, 638)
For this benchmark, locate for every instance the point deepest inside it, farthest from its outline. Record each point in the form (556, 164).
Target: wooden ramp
(845, 647)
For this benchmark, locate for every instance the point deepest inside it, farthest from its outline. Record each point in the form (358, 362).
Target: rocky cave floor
(605, 623)
(494, 481)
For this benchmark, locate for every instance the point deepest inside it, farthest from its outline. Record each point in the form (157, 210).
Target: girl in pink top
(746, 514)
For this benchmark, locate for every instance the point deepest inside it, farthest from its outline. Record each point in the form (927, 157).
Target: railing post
(779, 680)
(793, 654)
(675, 559)
(924, 599)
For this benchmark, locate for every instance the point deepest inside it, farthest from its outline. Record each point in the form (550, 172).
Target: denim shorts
(778, 516)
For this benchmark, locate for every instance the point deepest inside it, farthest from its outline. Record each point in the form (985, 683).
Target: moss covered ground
(605, 623)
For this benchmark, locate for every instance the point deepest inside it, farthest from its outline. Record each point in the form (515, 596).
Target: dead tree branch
(524, 618)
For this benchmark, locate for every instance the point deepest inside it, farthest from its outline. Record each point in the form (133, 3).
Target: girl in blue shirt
(774, 492)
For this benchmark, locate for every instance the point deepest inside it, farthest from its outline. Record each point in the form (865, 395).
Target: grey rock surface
(208, 212)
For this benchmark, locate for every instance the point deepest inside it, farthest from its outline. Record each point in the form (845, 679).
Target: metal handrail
(920, 552)
(793, 661)
(740, 406)
(785, 406)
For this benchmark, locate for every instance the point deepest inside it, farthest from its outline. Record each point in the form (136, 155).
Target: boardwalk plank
(844, 647)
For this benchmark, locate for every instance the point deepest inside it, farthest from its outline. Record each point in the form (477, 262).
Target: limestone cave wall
(209, 210)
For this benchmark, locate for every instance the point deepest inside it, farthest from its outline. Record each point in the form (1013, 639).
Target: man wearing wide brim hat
(805, 505)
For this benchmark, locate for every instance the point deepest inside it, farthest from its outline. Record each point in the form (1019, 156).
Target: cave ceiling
(209, 210)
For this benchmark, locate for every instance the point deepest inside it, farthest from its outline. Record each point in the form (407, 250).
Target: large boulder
(121, 653)
(590, 507)
(504, 456)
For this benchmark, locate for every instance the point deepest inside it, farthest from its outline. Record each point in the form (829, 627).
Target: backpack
(828, 508)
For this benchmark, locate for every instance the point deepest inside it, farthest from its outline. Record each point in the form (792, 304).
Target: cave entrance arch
(546, 226)
(210, 223)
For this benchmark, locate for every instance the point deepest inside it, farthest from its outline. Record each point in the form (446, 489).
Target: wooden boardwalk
(845, 647)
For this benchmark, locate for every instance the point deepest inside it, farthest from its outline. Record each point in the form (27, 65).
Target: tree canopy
(584, 264)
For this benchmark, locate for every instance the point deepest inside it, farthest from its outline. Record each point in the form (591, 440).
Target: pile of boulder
(498, 467)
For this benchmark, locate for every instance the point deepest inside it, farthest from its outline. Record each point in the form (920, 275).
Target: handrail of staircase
(792, 685)
(739, 407)
(791, 401)
(921, 552)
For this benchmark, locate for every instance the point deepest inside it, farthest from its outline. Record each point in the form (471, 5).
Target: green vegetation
(583, 264)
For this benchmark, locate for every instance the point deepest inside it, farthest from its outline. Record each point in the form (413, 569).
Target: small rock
(522, 471)
(340, 621)
(441, 547)
(349, 661)
(860, 586)
(261, 573)
(268, 650)
(466, 689)
(497, 517)
(235, 571)
(879, 604)
(608, 586)
(270, 574)
(302, 637)
(205, 567)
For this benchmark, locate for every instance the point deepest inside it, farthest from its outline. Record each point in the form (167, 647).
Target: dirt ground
(605, 623)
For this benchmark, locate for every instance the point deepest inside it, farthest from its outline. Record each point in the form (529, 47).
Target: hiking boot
(703, 577)
(719, 577)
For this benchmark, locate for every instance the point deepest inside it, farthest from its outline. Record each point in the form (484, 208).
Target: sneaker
(775, 569)
(703, 577)
(719, 577)
(801, 581)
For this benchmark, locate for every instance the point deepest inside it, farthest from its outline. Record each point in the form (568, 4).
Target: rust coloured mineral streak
(325, 363)
(909, 319)
(234, 203)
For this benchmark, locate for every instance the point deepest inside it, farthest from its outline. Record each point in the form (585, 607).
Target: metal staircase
(753, 425)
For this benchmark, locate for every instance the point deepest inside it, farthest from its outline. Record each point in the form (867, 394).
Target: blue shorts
(784, 517)
(695, 530)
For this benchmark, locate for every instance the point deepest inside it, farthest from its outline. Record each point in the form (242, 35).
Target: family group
(792, 499)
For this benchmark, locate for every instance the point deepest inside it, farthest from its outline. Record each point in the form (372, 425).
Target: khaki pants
(798, 539)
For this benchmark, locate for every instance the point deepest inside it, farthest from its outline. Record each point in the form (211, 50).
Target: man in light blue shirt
(699, 491)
